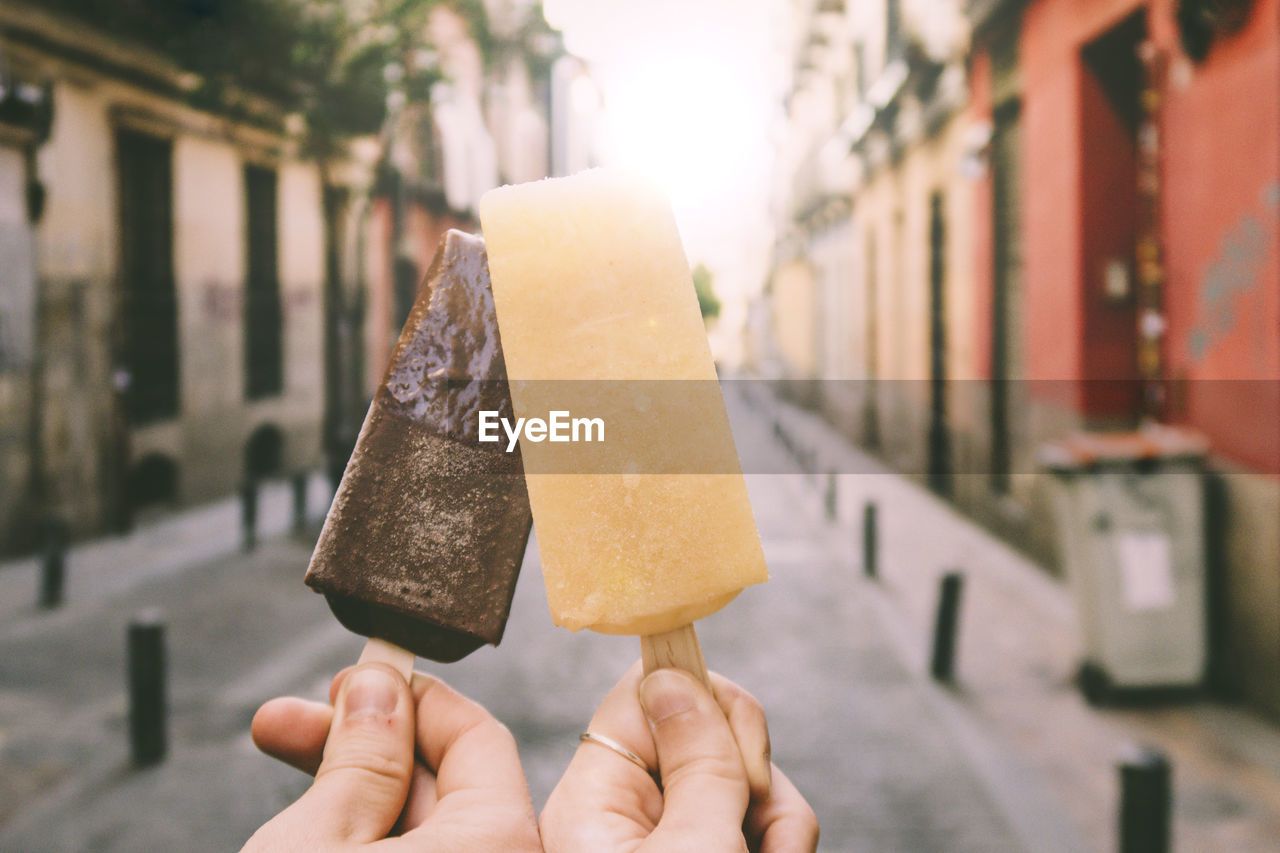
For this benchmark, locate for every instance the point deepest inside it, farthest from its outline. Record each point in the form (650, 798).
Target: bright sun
(691, 95)
(681, 117)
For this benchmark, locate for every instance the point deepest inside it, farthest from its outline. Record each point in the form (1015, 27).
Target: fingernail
(370, 690)
(666, 693)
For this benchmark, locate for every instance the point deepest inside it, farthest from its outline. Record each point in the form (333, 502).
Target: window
(149, 314)
(262, 314)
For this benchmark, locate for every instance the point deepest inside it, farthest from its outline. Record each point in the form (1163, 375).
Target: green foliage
(707, 301)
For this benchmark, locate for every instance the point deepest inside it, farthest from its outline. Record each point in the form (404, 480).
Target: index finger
(463, 743)
(784, 823)
(293, 730)
(750, 731)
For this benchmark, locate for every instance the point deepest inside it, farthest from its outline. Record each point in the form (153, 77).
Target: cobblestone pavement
(1009, 760)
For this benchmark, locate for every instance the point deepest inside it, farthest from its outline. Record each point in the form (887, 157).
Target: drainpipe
(1151, 319)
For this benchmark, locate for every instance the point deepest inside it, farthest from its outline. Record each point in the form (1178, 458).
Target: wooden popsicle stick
(677, 648)
(380, 651)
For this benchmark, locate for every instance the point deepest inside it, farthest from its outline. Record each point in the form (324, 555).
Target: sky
(691, 92)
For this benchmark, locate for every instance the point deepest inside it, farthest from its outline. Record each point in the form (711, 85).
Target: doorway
(145, 361)
(149, 322)
(871, 357)
(1112, 78)
(1006, 302)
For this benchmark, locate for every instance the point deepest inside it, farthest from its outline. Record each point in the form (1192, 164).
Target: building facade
(1128, 229)
(196, 293)
(911, 284)
(1063, 215)
(163, 322)
(872, 209)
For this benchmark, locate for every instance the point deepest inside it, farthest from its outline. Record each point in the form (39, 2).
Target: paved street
(1009, 760)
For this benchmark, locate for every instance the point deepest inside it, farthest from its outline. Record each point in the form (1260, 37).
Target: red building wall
(1219, 125)
(1221, 132)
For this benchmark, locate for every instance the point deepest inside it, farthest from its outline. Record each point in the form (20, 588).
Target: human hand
(420, 763)
(719, 789)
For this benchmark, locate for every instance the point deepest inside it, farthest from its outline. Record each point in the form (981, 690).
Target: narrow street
(889, 760)
(992, 287)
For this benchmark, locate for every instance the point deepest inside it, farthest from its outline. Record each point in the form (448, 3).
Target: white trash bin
(1130, 515)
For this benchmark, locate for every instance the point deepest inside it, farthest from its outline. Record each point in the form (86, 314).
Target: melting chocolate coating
(423, 544)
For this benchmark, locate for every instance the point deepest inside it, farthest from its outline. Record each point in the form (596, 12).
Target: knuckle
(700, 769)
(501, 733)
(486, 728)
(722, 687)
(748, 709)
(371, 765)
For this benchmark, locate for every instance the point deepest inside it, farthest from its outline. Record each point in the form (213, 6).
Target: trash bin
(1130, 516)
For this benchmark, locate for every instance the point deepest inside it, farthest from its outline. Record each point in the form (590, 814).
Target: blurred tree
(332, 61)
(707, 301)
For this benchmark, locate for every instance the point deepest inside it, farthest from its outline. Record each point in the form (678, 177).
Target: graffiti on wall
(1235, 271)
(224, 303)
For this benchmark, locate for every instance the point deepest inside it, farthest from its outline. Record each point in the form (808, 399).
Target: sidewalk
(1016, 661)
(101, 568)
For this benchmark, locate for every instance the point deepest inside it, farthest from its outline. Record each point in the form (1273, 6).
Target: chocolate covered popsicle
(423, 543)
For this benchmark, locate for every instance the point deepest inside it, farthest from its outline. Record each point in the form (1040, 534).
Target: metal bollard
(829, 498)
(249, 513)
(1145, 787)
(942, 665)
(870, 554)
(300, 481)
(53, 568)
(148, 736)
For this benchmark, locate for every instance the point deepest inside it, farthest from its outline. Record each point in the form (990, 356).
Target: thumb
(363, 780)
(705, 791)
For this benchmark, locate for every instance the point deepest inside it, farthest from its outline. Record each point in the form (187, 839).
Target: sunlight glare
(682, 118)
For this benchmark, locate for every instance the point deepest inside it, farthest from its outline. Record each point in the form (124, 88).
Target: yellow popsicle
(651, 528)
